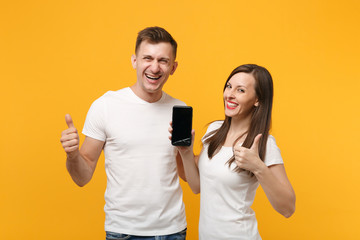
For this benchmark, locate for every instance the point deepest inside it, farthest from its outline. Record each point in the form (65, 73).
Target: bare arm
(81, 163)
(277, 188)
(81, 167)
(273, 179)
(189, 166)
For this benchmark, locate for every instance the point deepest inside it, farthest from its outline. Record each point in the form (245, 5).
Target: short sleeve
(212, 127)
(94, 126)
(272, 155)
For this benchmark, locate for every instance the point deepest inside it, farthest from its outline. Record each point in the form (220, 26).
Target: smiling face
(154, 63)
(239, 96)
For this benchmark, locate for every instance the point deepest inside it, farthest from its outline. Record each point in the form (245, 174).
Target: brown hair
(261, 116)
(155, 35)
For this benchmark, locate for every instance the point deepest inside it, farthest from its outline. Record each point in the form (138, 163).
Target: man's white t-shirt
(143, 195)
(227, 196)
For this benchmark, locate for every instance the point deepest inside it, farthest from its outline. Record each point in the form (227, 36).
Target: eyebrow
(240, 85)
(149, 55)
(165, 58)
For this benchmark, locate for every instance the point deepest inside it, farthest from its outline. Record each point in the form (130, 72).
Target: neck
(146, 96)
(238, 127)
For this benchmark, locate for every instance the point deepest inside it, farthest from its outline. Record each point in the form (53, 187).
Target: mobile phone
(182, 125)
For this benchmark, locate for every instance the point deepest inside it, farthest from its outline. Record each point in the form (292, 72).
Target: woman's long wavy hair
(261, 115)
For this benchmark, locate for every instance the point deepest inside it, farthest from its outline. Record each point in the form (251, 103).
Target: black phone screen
(182, 125)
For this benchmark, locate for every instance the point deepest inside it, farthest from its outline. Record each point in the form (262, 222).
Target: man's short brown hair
(155, 35)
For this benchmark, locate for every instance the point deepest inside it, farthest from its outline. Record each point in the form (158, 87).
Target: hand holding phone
(182, 125)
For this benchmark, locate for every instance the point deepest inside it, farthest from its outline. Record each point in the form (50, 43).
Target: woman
(239, 154)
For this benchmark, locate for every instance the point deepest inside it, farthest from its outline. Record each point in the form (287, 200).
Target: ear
(133, 61)
(174, 68)
(256, 104)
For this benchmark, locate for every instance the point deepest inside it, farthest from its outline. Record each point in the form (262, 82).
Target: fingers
(71, 128)
(192, 136)
(240, 151)
(70, 137)
(69, 140)
(68, 131)
(69, 121)
(248, 158)
(239, 154)
(243, 157)
(170, 129)
(71, 149)
(71, 146)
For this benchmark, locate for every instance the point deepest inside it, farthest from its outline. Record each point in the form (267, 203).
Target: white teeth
(153, 78)
(232, 104)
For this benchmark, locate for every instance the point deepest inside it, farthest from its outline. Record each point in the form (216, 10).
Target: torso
(227, 196)
(143, 195)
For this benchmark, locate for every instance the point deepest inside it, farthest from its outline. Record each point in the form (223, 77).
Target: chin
(230, 114)
(153, 89)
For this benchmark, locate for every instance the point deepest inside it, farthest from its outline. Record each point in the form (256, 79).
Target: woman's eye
(228, 86)
(241, 90)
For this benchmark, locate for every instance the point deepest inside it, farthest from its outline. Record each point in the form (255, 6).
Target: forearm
(79, 169)
(279, 192)
(191, 170)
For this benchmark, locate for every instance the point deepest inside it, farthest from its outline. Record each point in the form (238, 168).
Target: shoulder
(271, 142)
(169, 99)
(213, 126)
(273, 154)
(116, 94)
(109, 96)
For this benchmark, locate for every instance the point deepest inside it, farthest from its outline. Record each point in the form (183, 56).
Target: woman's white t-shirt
(227, 196)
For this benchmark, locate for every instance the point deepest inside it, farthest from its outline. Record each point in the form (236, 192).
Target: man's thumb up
(69, 121)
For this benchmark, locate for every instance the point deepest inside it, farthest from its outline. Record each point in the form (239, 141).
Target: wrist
(72, 156)
(260, 170)
(185, 152)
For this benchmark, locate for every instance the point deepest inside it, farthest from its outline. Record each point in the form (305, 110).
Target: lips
(231, 105)
(153, 78)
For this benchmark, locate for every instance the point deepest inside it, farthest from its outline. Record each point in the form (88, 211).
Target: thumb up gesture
(248, 158)
(70, 138)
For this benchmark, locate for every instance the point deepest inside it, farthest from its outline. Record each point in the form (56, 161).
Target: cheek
(143, 64)
(244, 103)
(249, 106)
(225, 94)
(167, 70)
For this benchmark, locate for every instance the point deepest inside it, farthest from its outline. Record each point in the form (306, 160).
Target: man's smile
(152, 77)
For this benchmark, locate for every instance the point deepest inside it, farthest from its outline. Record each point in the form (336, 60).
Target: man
(143, 196)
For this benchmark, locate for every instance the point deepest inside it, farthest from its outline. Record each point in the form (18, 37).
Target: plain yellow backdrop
(57, 57)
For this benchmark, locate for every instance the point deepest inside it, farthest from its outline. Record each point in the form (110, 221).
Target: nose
(155, 67)
(228, 94)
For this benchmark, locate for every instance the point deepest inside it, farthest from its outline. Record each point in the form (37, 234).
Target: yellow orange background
(57, 57)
